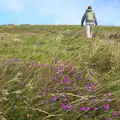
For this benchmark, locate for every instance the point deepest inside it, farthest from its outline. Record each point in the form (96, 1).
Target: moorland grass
(48, 73)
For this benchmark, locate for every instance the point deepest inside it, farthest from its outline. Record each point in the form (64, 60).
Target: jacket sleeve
(95, 18)
(83, 18)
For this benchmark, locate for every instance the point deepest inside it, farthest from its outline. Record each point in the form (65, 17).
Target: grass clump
(58, 75)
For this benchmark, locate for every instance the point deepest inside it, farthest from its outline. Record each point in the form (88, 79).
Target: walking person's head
(89, 7)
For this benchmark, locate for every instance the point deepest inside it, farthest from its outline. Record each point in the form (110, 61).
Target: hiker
(91, 21)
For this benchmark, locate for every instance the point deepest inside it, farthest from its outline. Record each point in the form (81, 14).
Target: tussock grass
(49, 73)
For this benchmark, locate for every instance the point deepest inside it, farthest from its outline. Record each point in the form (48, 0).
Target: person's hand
(96, 24)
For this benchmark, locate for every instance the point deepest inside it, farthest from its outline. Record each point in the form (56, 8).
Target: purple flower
(54, 98)
(107, 106)
(58, 68)
(65, 99)
(54, 78)
(82, 109)
(116, 114)
(61, 72)
(47, 89)
(70, 88)
(95, 99)
(22, 83)
(42, 102)
(108, 100)
(95, 109)
(79, 93)
(85, 108)
(69, 106)
(40, 88)
(91, 85)
(87, 87)
(66, 106)
(11, 60)
(65, 79)
(57, 91)
(69, 81)
(73, 72)
(62, 105)
(43, 93)
(89, 79)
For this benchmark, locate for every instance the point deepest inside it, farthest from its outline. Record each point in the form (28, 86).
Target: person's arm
(95, 19)
(83, 18)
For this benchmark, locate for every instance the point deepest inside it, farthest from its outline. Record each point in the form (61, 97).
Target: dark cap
(89, 7)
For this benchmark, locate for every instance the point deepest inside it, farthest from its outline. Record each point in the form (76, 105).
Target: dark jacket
(85, 17)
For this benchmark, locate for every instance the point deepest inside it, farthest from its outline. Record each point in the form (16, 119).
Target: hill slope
(55, 72)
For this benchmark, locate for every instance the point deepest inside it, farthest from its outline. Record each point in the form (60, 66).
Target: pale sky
(58, 11)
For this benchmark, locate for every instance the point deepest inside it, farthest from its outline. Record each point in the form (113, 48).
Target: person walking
(91, 21)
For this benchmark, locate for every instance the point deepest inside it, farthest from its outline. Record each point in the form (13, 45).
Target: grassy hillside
(56, 73)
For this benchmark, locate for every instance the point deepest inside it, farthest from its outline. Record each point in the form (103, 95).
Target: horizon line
(51, 25)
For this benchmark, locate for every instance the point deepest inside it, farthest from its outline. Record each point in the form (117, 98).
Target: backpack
(90, 16)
